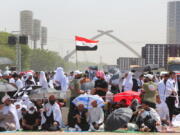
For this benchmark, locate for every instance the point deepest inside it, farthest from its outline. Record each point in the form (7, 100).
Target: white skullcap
(5, 98)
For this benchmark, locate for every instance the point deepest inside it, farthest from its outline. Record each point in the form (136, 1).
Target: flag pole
(76, 60)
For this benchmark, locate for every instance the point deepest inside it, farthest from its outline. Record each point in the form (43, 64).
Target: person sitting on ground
(9, 115)
(148, 119)
(95, 117)
(80, 118)
(31, 119)
(51, 115)
(7, 122)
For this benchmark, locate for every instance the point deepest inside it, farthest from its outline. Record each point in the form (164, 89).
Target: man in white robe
(162, 110)
(127, 82)
(95, 117)
(162, 88)
(51, 115)
(60, 79)
(43, 81)
(9, 109)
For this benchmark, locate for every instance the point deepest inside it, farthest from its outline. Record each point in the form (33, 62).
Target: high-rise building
(43, 36)
(159, 53)
(173, 22)
(26, 22)
(124, 63)
(36, 31)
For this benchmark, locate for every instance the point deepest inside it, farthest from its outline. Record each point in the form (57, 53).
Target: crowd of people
(158, 106)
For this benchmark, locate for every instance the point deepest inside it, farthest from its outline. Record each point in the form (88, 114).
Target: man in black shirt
(80, 118)
(101, 86)
(31, 119)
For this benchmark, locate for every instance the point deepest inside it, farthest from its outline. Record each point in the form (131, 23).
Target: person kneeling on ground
(51, 115)
(80, 118)
(95, 117)
(8, 115)
(148, 119)
(31, 120)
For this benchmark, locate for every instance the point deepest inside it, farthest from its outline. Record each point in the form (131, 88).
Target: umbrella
(128, 96)
(118, 119)
(5, 61)
(86, 100)
(5, 87)
(43, 93)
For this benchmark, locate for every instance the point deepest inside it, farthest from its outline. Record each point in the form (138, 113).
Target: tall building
(26, 22)
(43, 36)
(36, 31)
(124, 63)
(173, 22)
(159, 53)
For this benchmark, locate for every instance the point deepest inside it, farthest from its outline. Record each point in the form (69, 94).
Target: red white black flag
(83, 44)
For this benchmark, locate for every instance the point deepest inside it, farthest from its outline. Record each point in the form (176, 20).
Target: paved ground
(64, 133)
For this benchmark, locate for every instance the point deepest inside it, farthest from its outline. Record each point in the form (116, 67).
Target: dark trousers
(84, 126)
(72, 107)
(171, 105)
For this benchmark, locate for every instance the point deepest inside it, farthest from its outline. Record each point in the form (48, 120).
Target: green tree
(45, 60)
(4, 38)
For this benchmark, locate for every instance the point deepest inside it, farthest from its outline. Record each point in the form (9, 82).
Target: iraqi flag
(83, 44)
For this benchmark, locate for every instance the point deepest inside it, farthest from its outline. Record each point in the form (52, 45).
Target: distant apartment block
(124, 63)
(159, 53)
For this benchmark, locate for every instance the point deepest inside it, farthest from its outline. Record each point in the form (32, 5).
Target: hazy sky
(136, 22)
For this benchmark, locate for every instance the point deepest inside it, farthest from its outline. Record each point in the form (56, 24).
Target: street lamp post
(18, 52)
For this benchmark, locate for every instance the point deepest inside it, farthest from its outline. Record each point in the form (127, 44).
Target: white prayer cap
(5, 98)
(149, 76)
(0, 74)
(77, 72)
